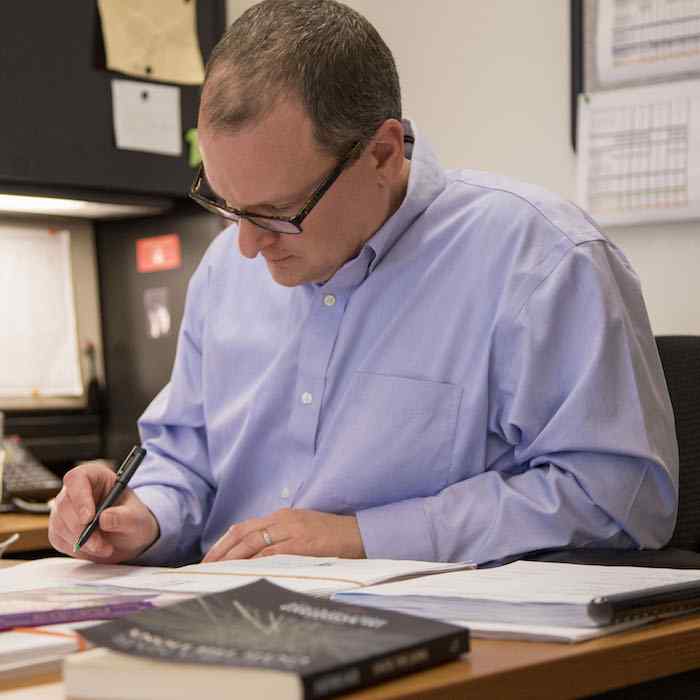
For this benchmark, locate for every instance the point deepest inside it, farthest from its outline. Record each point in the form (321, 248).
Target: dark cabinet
(56, 105)
(137, 364)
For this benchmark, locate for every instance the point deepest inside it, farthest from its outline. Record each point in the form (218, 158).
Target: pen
(124, 474)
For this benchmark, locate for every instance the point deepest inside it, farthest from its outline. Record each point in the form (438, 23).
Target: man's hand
(291, 532)
(125, 530)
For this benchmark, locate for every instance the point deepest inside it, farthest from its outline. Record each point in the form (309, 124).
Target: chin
(286, 281)
(288, 276)
(285, 278)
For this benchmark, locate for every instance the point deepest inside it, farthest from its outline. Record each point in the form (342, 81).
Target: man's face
(272, 167)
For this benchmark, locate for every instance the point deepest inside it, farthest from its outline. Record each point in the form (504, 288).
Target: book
(257, 640)
(320, 576)
(56, 604)
(21, 646)
(27, 651)
(541, 594)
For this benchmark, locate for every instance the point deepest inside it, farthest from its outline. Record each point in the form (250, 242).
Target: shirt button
(285, 492)
(329, 300)
(306, 398)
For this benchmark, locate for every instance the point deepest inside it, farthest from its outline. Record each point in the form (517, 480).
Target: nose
(252, 239)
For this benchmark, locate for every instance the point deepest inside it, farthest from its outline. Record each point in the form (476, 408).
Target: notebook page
(321, 575)
(63, 571)
(535, 582)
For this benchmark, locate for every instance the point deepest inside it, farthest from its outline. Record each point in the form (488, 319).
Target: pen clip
(129, 461)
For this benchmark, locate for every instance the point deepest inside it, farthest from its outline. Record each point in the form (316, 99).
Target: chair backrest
(680, 357)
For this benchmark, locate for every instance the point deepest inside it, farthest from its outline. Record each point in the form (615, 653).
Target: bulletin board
(58, 133)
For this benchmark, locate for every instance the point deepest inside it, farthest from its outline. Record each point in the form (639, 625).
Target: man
(380, 358)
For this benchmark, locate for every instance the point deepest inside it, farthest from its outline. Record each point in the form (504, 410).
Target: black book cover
(333, 647)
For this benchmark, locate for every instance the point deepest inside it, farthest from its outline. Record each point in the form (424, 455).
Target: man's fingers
(286, 547)
(76, 497)
(63, 537)
(244, 540)
(58, 532)
(124, 530)
(119, 519)
(64, 508)
(254, 544)
(63, 545)
(83, 486)
(233, 537)
(241, 549)
(249, 546)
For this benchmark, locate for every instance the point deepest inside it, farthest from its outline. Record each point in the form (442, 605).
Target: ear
(387, 150)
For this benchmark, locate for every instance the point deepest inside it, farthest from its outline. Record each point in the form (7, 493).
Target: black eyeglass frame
(233, 214)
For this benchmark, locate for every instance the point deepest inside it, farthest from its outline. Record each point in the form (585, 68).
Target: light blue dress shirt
(480, 381)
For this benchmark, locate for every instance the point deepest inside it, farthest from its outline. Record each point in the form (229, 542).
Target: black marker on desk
(124, 474)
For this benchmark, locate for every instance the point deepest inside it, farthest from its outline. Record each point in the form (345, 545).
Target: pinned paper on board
(147, 117)
(157, 253)
(154, 39)
(639, 160)
(647, 39)
(192, 138)
(158, 319)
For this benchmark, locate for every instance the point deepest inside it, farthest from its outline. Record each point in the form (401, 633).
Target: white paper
(316, 575)
(38, 335)
(540, 633)
(64, 571)
(18, 648)
(154, 39)
(640, 39)
(520, 600)
(535, 582)
(639, 154)
(147, 117)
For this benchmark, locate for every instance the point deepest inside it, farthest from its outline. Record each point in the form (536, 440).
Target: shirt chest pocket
(391, 439)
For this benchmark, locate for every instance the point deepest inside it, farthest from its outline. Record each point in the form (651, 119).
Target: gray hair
(320, 51)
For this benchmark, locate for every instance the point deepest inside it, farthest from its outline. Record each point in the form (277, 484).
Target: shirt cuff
(166, 508)
(398, 530)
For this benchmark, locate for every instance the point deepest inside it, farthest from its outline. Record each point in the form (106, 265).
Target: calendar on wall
(636, 77)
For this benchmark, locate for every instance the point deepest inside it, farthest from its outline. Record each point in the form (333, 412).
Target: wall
(499, 72)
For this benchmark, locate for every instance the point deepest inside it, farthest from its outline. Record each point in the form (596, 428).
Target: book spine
(52, 617)
(381, 668)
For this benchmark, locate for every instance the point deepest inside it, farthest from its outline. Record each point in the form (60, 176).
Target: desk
(33, 531)
(504, 670)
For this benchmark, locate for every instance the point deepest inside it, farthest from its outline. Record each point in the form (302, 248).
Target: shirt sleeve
(175, 479)
(579, 395)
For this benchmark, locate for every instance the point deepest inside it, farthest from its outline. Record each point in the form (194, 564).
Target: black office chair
(680, 358)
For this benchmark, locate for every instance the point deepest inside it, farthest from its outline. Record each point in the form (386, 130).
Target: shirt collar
(425, 182)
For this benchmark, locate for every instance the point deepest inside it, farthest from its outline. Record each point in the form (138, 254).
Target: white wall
(488, 83)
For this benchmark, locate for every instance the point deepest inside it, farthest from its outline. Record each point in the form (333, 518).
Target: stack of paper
(38, 649)
(540, 600)
(522, 600)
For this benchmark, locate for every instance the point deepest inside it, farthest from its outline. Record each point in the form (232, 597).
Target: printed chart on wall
(38, 335)
(643, 39)
(639, 153)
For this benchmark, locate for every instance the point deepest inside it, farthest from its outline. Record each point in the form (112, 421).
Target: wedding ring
(266, 537)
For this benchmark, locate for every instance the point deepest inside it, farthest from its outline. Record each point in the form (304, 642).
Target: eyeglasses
(202, 193)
